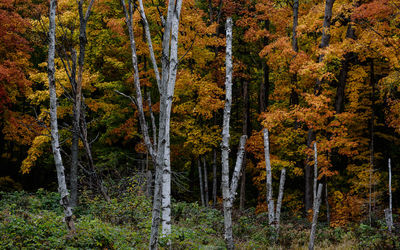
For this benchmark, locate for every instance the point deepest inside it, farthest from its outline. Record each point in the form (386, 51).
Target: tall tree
(62, 186)
(229, 190)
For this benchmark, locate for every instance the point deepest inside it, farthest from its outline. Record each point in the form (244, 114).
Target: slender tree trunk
(317, 88)
(205, 182)
(200, 182)
(229, 192)
(214, 177)
(315, 174)
(245, 131)
(270, 201)
(78, 100)
(226, 137)
(97, 178)
(390, 224)
(328, 215)
(62, 186)
(372, 125)
(265, 84)
(279, 201)
(315, 218)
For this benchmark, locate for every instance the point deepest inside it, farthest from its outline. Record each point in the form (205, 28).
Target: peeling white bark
(62, 186)
(315, 218)
(229, 192)
(270, 201)
(280, 197)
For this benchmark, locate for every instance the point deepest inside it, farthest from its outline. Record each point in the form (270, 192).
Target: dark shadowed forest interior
(200, 124)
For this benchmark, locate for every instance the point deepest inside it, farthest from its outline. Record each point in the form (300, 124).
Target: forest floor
(35, 221)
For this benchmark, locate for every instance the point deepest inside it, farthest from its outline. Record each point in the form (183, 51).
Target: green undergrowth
(35, 221)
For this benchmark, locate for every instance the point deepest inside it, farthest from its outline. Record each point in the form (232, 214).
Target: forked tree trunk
(315, 218)
(160, 150)
(270, 201)
(62, 186)
(83, 19)
(229, 191)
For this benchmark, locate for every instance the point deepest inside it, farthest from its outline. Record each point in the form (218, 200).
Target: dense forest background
(305, 80)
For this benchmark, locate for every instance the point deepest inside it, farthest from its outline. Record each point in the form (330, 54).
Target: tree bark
(317, 89)
(270, 201)
(372, 125)
(229, 192)
(280, 197)
(62, 186)
(265, 84)
(200, 182)
(315, 175)
(160, 152)
(205, 182)
(77, 93)
(214, 177)
(315, 218)
(245, 131)
(390, 224)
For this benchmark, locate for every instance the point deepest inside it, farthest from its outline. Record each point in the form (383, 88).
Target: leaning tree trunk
(229, 192)
(315, 218)
(62, 186)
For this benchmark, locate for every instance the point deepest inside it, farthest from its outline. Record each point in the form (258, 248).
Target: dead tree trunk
(62, 186)
(315, 218)
(229, 191)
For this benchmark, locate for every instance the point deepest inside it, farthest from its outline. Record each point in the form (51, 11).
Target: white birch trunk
(315, 218)
(229, 192)
(315, 175)
(280, 197)
(226, 137)
(62, 187)
(270, 201)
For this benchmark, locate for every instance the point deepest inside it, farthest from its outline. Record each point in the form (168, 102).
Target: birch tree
(229, 188)
(55, 144)
(315, 218)
(159, 150)
(273, 215)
